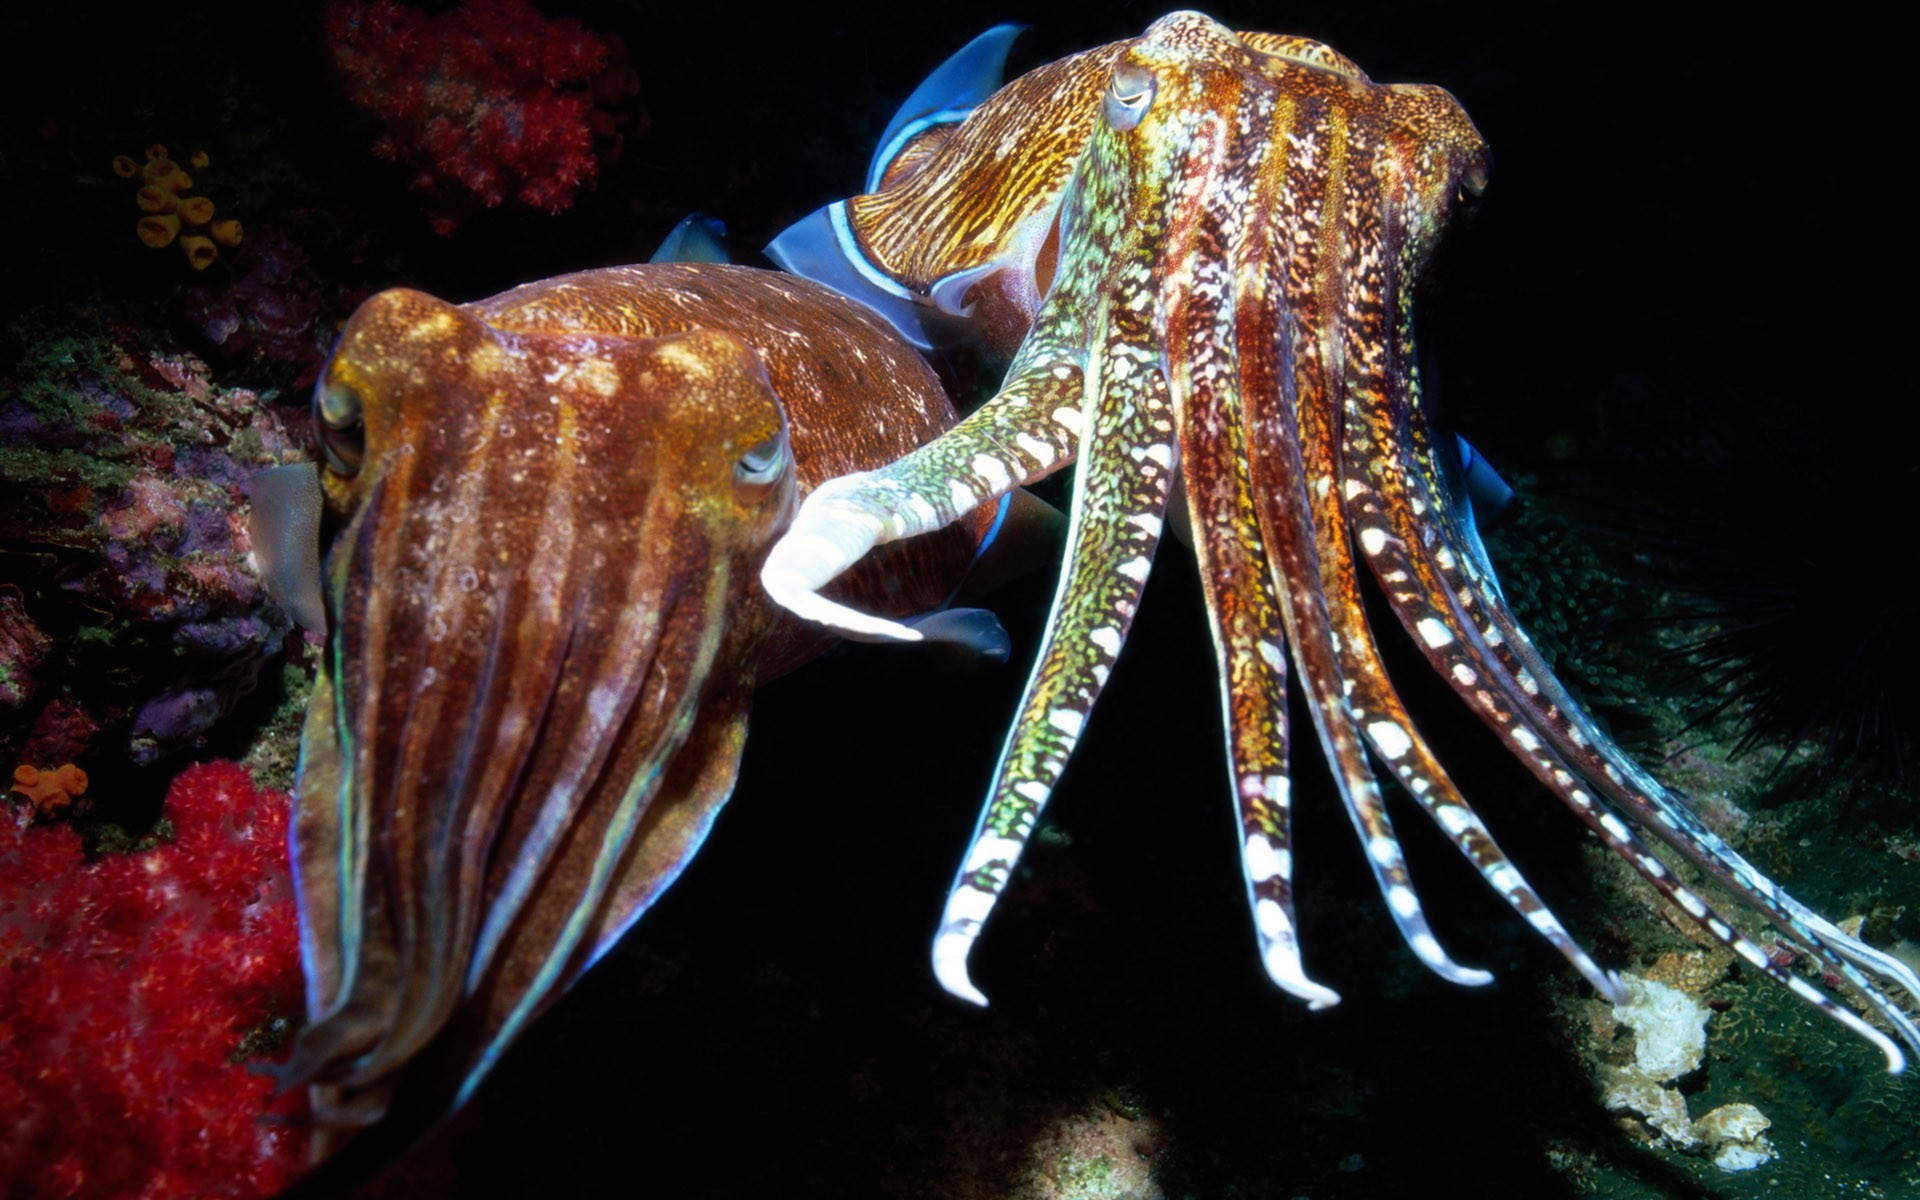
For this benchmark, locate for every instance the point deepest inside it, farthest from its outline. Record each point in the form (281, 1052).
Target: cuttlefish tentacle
(1353, 470)
(1293, 452)
(1305, 316)
(1119, 499)
(1031, 428)
(1436, 577)
(1432, 552)
(1098, 594)
(1243, 606)
(1497, 671)
(516, 681)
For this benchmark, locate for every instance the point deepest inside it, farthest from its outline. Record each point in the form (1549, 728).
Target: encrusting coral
(170, 216)
(50, 789)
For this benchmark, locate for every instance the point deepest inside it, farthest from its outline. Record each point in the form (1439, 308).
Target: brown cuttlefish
(547, 512)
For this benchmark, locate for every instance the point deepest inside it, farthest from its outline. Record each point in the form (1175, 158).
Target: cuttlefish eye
(1473, 182)
(760, 467)
(337, 421)
(1129, 95)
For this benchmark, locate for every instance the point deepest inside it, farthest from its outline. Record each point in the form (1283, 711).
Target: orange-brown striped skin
(964, 204)
(545, 627)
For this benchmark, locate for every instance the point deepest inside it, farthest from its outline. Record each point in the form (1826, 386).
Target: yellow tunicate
(163, 195)
(158, 231)
(200, 251)
(166, 173)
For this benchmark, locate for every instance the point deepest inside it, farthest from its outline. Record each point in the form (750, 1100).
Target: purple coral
(146, 621)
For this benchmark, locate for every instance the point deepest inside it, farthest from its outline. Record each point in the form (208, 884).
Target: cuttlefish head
(533, 694)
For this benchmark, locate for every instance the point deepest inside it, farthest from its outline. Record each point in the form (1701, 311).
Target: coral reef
(485, 104)
(137, 985)
(23, 646)
(172, 218)
(132, 620)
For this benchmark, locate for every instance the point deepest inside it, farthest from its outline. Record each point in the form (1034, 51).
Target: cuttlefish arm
(545, 628)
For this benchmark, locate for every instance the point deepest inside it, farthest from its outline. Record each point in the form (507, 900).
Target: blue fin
(697, 238)
(976, 630)
(822, 248)
(284, 522)
(1487, 494)
(956, 88)
(999, 522)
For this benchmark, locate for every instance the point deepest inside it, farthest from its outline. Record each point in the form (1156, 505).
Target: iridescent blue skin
(1202, 247)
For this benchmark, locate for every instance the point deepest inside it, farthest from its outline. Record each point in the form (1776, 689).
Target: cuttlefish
(546, 512)
(1205, 245)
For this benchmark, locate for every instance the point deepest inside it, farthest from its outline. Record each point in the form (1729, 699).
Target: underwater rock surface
(135, 620)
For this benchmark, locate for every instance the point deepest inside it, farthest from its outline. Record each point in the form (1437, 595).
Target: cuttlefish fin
(693, 788)
(1486, 493)
(821, 246)
(317, 875)
(697, 238)
(955, 88)
(1027, 534)
(977, 631)
(284, 526)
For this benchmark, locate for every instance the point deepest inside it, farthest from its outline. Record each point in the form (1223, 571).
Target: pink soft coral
(129, 987)
(489, 103)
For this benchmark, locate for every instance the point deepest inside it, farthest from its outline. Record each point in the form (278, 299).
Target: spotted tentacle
(1655, 806)
(1291, 420)
(1249, 635)
(1442, 588)
(1371, 285)
(1120, 495)
(1029, 429)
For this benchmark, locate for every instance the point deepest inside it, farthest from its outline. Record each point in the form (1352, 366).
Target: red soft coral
(489, 103)
(129, 985)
